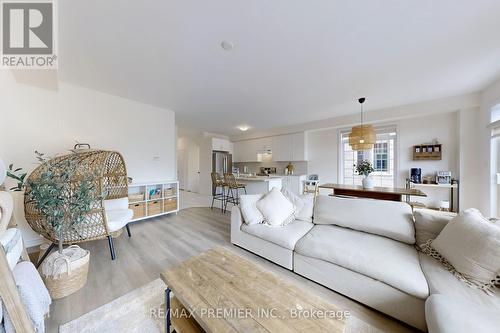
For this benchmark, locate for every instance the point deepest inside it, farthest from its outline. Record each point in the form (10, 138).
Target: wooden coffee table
(224, 292)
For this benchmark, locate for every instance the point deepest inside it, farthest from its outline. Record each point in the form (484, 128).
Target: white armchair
(118, 215)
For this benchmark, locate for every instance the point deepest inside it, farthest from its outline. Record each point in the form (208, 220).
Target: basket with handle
(65, 274)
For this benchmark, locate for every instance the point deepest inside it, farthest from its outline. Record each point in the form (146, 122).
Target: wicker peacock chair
(111, 183)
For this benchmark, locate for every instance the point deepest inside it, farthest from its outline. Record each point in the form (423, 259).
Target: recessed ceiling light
(243, 128)
(228, 46)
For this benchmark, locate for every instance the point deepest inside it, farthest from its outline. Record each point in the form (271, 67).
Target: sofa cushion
(447, 315)
(471, 244)
(385, 218)
(116, 204)
(294, 199)
(306, 213)
(248, 207)
(304, 204)
(286, 236)
(117, 219)
(445, 283)
(383, 259)
(429, 223)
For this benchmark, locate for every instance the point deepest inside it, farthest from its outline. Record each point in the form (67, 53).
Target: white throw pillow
(294, 199)
(276, 208)
(248, 207)
(429, 223)
(471, 243)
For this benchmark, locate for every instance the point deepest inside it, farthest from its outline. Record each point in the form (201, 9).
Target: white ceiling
(294, 61)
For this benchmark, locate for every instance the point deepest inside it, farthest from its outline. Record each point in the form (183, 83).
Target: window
(382, 157)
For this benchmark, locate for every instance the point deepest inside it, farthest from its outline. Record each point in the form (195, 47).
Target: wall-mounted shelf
(431, 152)
(153, 199)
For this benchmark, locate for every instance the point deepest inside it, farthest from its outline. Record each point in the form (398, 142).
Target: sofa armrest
(236, 222)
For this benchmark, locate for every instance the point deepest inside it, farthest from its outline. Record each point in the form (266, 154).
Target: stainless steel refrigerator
(222, 162)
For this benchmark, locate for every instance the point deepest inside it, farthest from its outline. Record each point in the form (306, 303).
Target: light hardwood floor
(160, 243)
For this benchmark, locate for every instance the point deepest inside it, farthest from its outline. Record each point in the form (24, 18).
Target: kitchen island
(260, 184)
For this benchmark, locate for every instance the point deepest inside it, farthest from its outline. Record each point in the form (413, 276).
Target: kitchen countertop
(257, 178)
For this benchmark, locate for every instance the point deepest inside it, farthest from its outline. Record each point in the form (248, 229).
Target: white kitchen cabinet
(299, 147)
(291, 147)
(284, 148)
(251, 150)
(245, 151)
(239, 151)
(263, 145)
(222, 145)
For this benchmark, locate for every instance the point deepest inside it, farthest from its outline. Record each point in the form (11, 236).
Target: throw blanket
(34, 295)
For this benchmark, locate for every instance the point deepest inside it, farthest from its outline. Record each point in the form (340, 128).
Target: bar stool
(218, 182)
(233, 190)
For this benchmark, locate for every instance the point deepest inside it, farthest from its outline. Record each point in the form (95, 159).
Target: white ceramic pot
(368, 182)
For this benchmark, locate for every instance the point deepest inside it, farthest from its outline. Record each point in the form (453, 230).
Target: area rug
(141, 311)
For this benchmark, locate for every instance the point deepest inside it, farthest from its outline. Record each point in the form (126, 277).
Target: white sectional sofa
(365, 249)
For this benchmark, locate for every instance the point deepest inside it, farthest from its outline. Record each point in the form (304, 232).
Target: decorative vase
(368, 182)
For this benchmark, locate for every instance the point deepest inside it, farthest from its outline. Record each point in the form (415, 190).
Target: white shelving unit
(153, 199)
(453, 188)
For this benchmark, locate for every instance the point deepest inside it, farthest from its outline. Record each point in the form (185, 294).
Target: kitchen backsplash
(254, 167)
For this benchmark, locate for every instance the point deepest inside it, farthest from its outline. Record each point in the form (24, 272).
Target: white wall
(323, 148)
(422, 130)
(470, 170)
(495, 155)
(188, 162)
(38, 112)
(322, 151)
(487, 193)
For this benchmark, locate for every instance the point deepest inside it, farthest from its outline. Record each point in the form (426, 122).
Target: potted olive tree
(365, 168)
(64, 197)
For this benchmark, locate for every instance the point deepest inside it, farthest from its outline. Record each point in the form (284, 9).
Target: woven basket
(73, 279)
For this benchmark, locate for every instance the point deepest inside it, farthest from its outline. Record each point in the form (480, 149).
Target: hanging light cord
(361, 101)
(361, 115)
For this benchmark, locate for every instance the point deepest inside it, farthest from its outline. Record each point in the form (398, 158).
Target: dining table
(380, 193)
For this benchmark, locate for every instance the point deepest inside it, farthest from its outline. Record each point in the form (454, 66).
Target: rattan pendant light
(362, 137)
